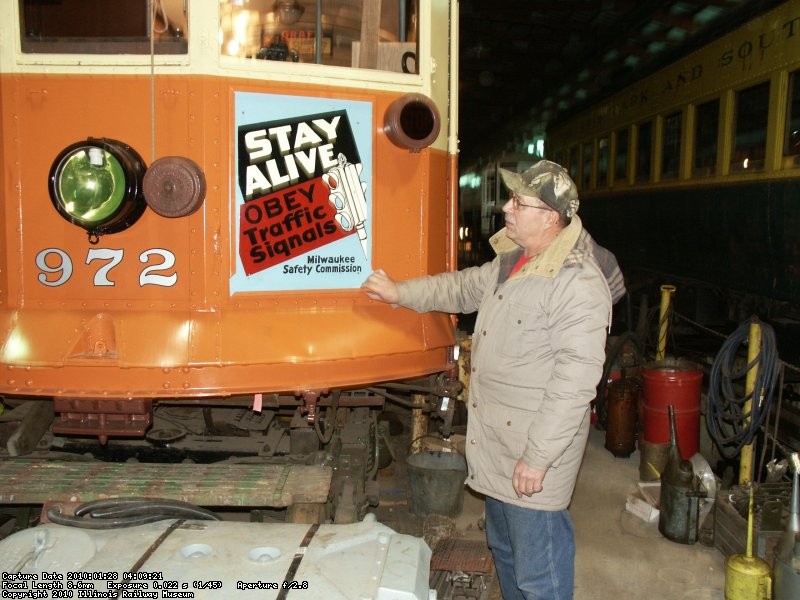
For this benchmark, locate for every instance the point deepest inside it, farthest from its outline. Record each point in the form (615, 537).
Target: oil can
(680, 494)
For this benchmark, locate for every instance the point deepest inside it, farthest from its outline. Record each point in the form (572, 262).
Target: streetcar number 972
(56, 267)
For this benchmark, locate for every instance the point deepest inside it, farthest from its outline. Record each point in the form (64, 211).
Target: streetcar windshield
(103, 27)
(368, 34)
(372, 34)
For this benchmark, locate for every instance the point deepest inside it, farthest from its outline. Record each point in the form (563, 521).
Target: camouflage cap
(548, 181)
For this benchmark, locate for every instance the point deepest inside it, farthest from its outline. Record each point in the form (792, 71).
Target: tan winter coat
(537, 356)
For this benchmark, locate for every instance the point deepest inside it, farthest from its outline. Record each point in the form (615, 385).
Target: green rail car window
(490, 189)
(621, 157)
(792, 143)
(572, 163)
(586, 166)
(671, 146)
(706, 132)
(491, 205)
(372, 34)
(602, 162)
(559, 157)
(103, 26)
(750, 133)
(644, 152)
(562, 157)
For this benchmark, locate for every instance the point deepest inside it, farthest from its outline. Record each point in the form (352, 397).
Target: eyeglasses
(516, 202)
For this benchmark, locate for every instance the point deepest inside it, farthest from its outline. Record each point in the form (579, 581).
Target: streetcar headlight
(97, 185)
(412, 122)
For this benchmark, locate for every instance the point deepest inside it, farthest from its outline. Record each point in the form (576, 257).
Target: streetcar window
(103, 27)
(671, 146)
(644, 152)
(750, 135)
(586, 171)
(602, 162)
(352, 33)
(621, 156)
(792, 144)
(706, 131)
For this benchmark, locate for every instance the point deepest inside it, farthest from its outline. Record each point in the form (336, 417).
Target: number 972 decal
(55, 266)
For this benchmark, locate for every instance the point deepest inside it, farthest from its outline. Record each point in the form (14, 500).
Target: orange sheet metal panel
(103, 332)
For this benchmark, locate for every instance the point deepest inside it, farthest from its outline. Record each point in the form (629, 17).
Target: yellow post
(753, 350)
(748, 577)
(663, 316)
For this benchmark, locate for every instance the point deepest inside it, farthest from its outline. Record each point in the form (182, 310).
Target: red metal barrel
(676, 383)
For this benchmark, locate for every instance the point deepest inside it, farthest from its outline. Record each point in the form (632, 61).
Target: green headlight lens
(97, 185)
(91, 184)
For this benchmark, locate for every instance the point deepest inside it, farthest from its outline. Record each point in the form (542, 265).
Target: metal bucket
(436, 481)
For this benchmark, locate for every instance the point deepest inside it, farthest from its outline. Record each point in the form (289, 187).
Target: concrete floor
(619, 556)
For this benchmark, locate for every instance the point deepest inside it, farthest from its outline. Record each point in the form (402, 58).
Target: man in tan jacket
(544, 308)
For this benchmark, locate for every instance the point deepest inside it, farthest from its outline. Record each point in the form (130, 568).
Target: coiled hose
(732, 426)
(115, 513)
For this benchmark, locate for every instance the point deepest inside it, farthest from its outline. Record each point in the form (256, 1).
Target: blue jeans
(533, 551)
